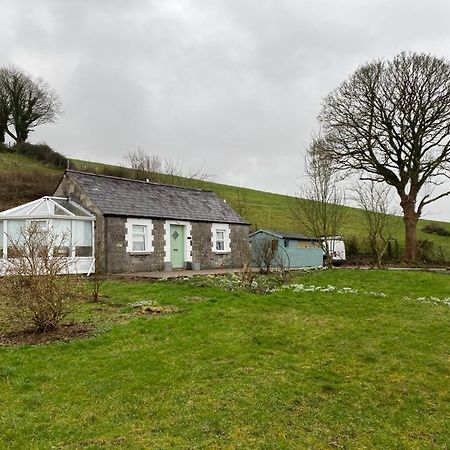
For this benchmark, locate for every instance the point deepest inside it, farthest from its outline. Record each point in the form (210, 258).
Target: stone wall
(119, 260)
(202, 247)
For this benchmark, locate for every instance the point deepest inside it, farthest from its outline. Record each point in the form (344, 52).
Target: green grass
(14, 162)
(237, 370)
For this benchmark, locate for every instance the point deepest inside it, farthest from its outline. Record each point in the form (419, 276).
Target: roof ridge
(137, 181)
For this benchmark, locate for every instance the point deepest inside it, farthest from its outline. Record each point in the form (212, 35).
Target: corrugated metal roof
(286, 235)
(132, 198)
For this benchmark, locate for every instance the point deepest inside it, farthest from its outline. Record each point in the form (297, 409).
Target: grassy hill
(24, 179)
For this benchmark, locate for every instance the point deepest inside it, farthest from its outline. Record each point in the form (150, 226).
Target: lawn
(322, 368)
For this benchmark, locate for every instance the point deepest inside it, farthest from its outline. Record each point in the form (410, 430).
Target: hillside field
(23, 179)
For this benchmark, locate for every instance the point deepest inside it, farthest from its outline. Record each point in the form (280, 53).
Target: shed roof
(286, 235)
(116, 196)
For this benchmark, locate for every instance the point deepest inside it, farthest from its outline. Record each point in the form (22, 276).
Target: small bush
(393, 252)
(352, 246)
(35, 293)
(5, 148)
(425, 249)
(434, 228)
(115, 171)
(42, 152)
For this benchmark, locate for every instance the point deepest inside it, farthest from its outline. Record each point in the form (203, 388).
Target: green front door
(177, 246)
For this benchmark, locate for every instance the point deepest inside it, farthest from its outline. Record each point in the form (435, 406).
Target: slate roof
(116, 196)
(286, 235)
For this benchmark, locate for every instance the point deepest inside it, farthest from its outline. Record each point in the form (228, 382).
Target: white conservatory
(60, 216)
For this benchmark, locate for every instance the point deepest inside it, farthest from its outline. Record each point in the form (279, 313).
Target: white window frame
(225, 228)
(148, 235)
(139, 238)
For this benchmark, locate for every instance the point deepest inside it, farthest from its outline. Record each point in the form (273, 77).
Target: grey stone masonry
(202, 247)
(119, 260)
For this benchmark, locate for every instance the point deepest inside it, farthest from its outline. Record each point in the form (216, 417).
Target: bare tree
(373, 198)
(319, 203)
(28, 101)
(153, 168)
(391, 120)
(242, 204)
(4, 111)
(267, 253)
(36, 289)
(144, 165)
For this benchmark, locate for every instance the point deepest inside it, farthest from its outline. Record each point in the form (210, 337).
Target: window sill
(140, 253)
(222, 252)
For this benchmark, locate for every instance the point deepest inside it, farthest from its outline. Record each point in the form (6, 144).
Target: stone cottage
(142, 226)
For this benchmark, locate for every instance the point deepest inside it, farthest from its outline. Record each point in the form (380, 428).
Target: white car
(336, 249)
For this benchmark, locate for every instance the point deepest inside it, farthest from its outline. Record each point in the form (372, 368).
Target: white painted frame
(227, 244)
(187, 239)
(129, 235)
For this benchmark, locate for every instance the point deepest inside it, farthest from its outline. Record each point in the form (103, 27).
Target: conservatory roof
(47, 207)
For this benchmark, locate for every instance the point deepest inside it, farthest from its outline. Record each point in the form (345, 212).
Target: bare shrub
(98, 276)
(144, 164)
(37, 292)
(155, 169)
(268, 254)
(434, 228)
(247, 274)
(373, 198)
(97, 282)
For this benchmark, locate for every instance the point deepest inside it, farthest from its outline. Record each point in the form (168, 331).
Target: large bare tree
(391, 120)
(319, 203)
(25, 102)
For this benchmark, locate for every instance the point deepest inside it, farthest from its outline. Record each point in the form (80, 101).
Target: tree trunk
(379, 260)
(21, 132)
(410, 218)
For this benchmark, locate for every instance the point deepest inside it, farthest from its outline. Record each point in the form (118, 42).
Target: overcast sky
(231, 86)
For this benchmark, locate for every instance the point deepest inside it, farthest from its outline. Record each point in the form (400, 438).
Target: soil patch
(65, 332)
(196, 299)
(158, 310)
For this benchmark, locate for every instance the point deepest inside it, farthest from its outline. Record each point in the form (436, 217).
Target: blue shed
(294, 249)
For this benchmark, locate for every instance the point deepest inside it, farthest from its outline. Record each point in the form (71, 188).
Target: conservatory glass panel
(83, 238)
(60, 212)
(41, 210)
(70, 207)
(62, 234)
(15, 230)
